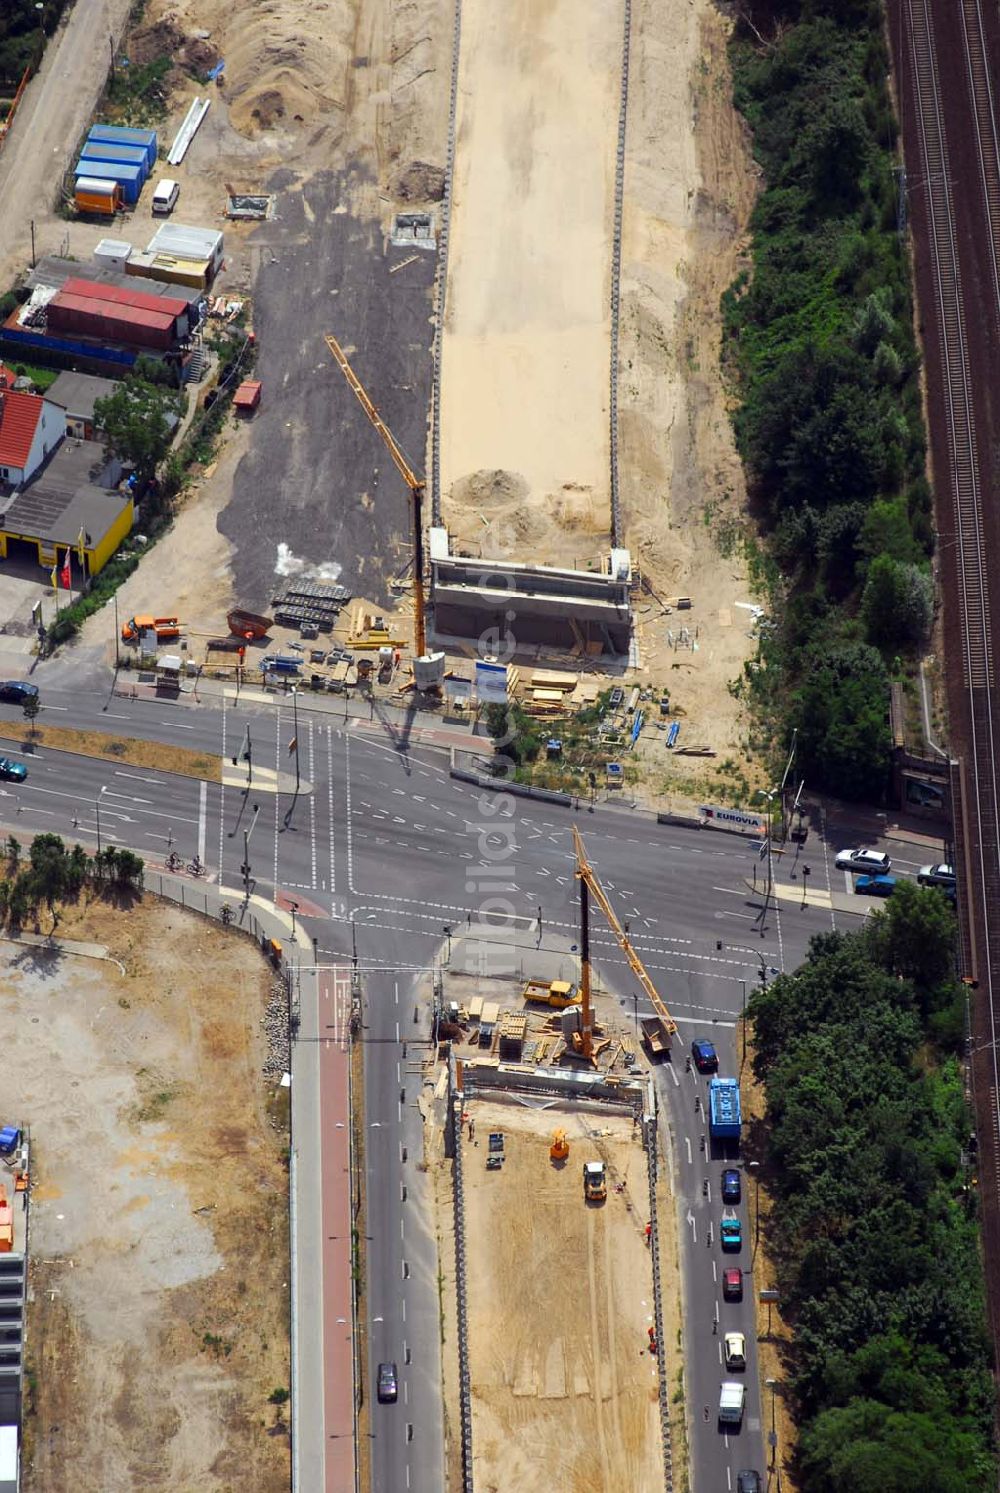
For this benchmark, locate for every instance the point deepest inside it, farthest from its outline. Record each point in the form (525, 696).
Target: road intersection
(382, 856)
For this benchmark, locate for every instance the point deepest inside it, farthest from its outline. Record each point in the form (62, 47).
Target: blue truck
(724, 1109)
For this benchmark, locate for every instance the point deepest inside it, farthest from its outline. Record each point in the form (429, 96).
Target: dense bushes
(820, 341)
(872, 1232)
(23, 29)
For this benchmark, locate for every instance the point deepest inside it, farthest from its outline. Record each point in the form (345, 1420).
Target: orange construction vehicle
(165, 628)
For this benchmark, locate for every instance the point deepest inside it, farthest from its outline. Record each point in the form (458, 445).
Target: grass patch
(180, 760)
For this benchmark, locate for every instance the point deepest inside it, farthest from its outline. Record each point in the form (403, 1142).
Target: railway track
(977, 799)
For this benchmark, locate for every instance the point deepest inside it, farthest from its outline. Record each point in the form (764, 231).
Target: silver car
(864, 862)
(937, 875)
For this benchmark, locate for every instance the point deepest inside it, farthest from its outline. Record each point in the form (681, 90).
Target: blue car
(875, 886)
(14, 772)
(706, 1059)
(731, 1187)
(731, 1234)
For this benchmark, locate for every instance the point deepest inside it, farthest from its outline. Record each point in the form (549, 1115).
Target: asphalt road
(382, 851)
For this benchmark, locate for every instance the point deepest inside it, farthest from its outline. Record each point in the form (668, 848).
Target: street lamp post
(295, 729)
(754, 1168)
(97, 811)
(294, 909)
(245, 868)
(744, 985)
(772, 1439)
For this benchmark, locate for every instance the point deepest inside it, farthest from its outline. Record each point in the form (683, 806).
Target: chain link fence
(651, 1133)
(461, 1291)
(616, 270)
(441, 287)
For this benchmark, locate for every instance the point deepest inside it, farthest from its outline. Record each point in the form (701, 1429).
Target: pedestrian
(649, 1232)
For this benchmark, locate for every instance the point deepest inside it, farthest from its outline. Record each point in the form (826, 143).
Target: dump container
(93, 196)
(9, 1137)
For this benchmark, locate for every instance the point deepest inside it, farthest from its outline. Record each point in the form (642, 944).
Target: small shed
(247, 397)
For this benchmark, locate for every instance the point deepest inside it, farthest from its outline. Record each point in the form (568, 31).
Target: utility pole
(111, 44)
(32, 243)
(245, 868)
(295, 739)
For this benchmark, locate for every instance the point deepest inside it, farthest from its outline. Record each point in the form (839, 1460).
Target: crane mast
(416, 485)
(590, 886)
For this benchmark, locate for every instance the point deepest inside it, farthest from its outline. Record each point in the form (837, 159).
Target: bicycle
(196, 868)
(226, 914)
(173, 861)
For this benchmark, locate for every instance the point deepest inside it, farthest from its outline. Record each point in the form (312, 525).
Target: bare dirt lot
(528, 317)
(158, 1325)
(560, 1300)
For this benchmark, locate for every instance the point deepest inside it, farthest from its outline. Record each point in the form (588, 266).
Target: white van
(165, 197)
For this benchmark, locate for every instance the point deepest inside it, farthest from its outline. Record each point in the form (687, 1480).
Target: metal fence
(461, 1292)
(616, 270)
(441, 287)
(650, 1135)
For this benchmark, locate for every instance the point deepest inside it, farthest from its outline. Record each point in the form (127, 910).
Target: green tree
(913, 936)
(897, 604)
(30, 707)
(136, 423)
(842, 713)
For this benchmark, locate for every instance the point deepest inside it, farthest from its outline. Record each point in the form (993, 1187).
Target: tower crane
(590, 886)
(417, 487)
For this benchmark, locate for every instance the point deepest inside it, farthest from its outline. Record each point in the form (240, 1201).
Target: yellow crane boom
(413, 482)
(586, 874)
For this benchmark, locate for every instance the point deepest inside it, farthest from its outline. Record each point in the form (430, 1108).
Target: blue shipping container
(118, 155)
(129, 178)
(724, 1109)
(9, 1137)
(113, 357)
(120, 134)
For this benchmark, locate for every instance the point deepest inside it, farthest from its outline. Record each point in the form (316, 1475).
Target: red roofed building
(30, 427)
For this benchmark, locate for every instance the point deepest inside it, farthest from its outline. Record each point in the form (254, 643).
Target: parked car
(731, 1234)
(748, 1481)
(735, 1345)
(706, 1059)
(875, 886)
(17, 690)
(732, 1189)
(732, 1285)
(14, 772)
(941, 875)
(874, 862)
(387, 1384)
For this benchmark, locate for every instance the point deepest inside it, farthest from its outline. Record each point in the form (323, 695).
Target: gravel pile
(275, 1025)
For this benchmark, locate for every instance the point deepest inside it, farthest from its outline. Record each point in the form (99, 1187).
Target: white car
(940, 875)
(863, 862)
(736, 1350)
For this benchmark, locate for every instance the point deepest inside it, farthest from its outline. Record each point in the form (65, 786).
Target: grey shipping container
(129, 178)
(123, 155)
(120, 134)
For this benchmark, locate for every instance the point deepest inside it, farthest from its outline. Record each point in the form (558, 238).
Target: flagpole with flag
(55, 581)
(66, 574)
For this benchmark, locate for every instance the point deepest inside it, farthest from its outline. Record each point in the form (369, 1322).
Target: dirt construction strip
(127, 749)
(526, 345)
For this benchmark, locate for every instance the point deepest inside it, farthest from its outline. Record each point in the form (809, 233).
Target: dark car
(14, 772)
(731, 1187)
(388, 1384)
(748, 1481)
(732, 1285)
(706, 1059)
(17, 690)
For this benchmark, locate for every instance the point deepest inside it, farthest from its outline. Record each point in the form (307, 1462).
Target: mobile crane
(429, 676)
(591, 887)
